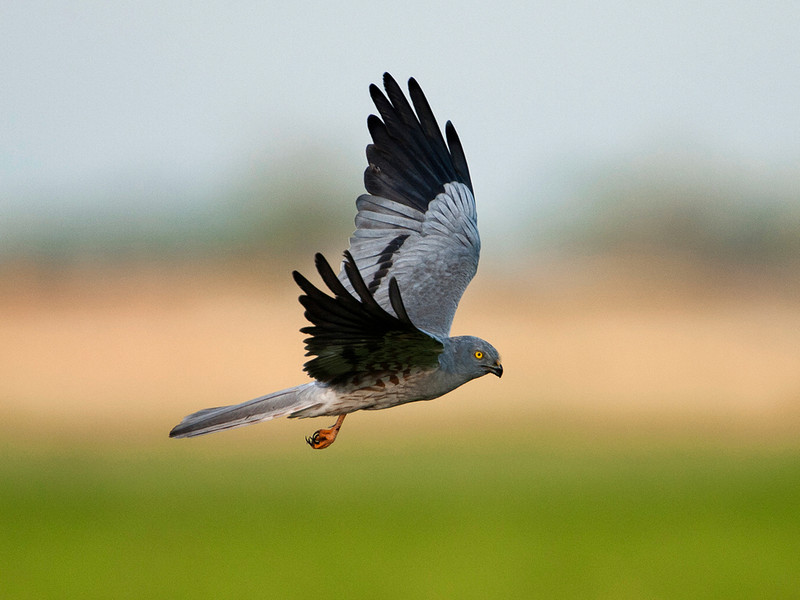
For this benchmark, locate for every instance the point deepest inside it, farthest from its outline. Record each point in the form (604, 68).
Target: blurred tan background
(626, 345)
(635, 170)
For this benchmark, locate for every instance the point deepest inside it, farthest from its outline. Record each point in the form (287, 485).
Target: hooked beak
(496, 369)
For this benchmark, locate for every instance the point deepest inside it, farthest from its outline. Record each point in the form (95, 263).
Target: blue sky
(163, 106)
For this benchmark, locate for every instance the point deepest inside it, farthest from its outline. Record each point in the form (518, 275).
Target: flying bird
(380, 336)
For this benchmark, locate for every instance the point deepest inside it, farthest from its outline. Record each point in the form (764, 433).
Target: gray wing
(418, 223)
(353, 339)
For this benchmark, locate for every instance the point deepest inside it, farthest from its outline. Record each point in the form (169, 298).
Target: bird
(379, 336)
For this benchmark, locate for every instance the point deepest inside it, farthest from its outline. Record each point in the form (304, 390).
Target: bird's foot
(322, 438)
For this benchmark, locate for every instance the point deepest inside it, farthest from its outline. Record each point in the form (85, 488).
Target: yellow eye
(478, 354)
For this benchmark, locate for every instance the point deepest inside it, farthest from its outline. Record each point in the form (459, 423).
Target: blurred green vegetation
(437, 519)
(651, 204)
(678, 207)
(272, 210)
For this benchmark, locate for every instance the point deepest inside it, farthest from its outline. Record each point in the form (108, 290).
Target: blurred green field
(427, 518)
(644, 445)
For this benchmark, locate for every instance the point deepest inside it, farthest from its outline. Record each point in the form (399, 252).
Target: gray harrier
(382, 337)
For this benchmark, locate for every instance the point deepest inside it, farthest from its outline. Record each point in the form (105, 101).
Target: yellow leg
(325, 437)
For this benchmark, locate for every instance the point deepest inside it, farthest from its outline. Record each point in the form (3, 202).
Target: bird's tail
(271, 406)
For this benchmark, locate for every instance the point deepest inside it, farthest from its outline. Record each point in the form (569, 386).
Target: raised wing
(417, 224)
(353, 339)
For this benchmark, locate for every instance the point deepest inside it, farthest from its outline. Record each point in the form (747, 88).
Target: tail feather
(271, 406)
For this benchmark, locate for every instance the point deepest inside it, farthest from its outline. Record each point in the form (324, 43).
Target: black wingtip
(305, 285)
(299, 279)
(396, 300)
(409, 160)
(354, 276)
(374, 92)
(457, 153)
(388, 80)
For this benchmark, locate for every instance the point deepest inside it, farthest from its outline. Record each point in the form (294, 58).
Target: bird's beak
(496, 368)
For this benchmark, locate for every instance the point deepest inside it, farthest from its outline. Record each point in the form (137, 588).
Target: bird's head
(474, 357)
